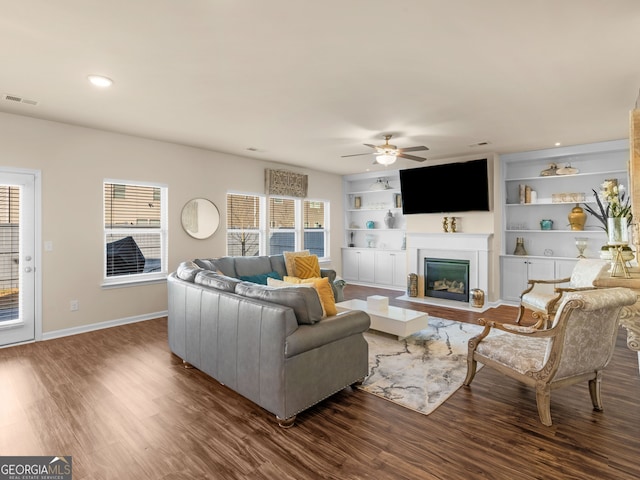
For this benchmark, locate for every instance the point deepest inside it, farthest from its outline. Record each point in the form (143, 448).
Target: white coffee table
(394, 320)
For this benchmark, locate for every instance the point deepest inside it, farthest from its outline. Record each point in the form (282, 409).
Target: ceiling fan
(386, 154)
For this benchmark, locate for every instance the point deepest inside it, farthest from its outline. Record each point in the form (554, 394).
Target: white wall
(74, 161)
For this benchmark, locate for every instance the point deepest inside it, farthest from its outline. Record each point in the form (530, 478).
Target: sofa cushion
(246, 266)
(223, 265)
(307, 266)
(278, 265)
(215, 280)
(323, 287)
(289, 260)
(304, 301)
(188, 271)
(260, 278)
(272, 282)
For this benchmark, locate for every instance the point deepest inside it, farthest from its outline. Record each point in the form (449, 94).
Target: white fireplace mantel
(474, 247)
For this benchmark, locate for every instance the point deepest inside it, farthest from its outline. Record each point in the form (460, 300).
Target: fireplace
(446, 278)
(474, 248)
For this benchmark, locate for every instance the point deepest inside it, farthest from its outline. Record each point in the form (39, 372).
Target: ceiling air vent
(480, 144)
(17, 99)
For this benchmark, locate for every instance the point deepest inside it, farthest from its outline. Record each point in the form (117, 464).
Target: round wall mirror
(200, 218)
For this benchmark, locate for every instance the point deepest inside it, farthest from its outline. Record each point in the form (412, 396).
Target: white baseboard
(65, 332)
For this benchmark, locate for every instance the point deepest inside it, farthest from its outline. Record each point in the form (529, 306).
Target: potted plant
(613, 207)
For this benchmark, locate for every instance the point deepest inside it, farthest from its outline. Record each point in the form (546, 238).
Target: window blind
(9, 252)
(135, 229)
(243, 224)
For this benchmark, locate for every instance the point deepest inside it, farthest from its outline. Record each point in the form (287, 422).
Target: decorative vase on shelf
(388, 219)
(546, 224)
(617, 231)
(380, 184)
(370, 240)
(519, 250)
(577, 218)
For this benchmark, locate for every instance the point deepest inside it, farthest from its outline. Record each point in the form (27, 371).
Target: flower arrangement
(612, 203)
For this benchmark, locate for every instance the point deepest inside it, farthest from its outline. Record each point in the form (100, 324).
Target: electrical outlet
(74, 305)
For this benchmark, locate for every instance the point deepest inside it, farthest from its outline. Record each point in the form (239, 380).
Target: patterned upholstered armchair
(543, 296)
(577, 347)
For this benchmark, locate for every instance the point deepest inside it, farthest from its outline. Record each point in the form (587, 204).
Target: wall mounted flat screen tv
(446, 188)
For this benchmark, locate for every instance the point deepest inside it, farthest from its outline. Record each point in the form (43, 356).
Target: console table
(630, 318)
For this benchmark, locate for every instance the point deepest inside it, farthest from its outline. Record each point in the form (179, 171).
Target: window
(288, 224)
(243, 224)
(315, 215)
(135, 232)
(282, 225)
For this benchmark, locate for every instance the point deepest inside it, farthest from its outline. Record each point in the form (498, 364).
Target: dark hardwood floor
(123, 406)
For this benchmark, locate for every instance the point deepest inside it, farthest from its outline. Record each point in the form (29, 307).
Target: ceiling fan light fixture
(100, 81)
(385, 159)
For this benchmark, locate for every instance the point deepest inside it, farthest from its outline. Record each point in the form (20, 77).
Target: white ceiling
(305, 82)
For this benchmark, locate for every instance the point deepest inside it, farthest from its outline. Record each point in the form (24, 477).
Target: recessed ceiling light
(557, 144)
(100, 81)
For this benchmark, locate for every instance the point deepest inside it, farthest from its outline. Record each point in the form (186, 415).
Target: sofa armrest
(329, 273)
(327, 330)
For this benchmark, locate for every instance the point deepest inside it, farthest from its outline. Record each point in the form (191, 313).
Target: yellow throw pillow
(274, 282)
(307, 267)
(289, 261)
(325, 292)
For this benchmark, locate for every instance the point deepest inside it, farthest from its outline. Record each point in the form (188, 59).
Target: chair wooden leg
(594, 391)
(520, 314)
(543, 400)
(471, 370)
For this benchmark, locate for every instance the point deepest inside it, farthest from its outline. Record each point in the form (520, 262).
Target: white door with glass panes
(17, 257)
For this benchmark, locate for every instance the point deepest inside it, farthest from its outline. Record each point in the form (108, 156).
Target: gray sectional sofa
(271, 345)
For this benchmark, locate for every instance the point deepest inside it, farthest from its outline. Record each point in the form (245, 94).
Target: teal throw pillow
(260, 278)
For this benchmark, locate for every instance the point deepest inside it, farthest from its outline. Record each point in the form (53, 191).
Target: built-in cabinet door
(400, 269)
(358, 265)
(366, 266)
(350, 264)
(516, 273)
(384, 268)
(390, 268)
(514, 277)
(540, 269)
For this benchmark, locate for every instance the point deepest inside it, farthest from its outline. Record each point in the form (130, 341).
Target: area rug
(421, 371)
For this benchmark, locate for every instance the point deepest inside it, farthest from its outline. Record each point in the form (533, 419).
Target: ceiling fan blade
(369, 145)
(356, 154)
(413, 149)
(411, 157)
